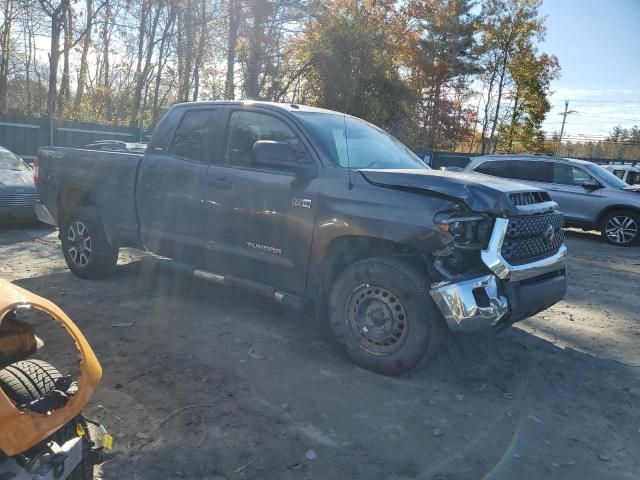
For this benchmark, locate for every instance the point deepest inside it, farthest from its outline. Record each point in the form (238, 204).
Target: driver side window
(247, 128)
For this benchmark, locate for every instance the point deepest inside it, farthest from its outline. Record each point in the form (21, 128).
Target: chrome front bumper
(476, 303)
(471, 304)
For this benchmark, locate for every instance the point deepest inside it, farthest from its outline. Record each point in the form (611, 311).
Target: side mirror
(591, 185)
(282, 156)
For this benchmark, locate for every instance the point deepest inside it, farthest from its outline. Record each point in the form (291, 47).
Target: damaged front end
(498, 270)
(24, 426)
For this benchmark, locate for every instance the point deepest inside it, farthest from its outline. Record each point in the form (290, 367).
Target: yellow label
(79, 430)
(107, 441)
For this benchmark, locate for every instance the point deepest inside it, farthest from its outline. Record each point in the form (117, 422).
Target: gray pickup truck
(315, 208)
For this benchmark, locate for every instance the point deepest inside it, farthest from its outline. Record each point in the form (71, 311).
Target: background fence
(24, 135)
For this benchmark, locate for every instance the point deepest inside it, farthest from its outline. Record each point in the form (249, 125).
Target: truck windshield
(351, 142)
(8, 161)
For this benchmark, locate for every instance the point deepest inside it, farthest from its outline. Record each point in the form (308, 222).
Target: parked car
(18, 193)
(116, 146)
(627, 173)
(589, 195)
(308, 206)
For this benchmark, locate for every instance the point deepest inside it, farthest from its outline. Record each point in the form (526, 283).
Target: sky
(597, 43)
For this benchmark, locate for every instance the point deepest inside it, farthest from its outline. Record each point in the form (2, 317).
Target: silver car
(18, 193)
(591, 197)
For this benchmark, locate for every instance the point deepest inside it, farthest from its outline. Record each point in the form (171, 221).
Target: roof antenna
(346, 142)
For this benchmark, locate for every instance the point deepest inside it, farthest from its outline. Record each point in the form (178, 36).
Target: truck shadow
(274, 384)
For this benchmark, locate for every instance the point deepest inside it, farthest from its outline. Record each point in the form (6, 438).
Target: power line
(600, 101)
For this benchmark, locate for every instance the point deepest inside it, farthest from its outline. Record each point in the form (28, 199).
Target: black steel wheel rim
(621, 229)
(377, 318)
(80, 245)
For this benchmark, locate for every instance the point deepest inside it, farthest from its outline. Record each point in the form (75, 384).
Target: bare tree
(234, 15)
(86, 43)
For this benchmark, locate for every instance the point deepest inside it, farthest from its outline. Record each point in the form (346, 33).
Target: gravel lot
(211, 383)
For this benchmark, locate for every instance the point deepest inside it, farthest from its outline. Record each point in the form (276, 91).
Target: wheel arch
(346, 250)
(615, 208)
(70, 198)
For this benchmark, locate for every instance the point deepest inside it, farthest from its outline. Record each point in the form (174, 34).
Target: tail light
(36, 171)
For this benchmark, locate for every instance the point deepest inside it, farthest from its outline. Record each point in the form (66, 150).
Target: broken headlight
(466, 230)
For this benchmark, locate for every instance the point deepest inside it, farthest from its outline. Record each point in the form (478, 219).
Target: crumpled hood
(16, 178)
(481, 193)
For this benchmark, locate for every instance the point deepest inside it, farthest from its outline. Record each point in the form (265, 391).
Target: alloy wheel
(79, 249)
(621, 229)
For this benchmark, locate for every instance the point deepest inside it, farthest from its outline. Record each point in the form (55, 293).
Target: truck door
(171, 186)
(260, 220)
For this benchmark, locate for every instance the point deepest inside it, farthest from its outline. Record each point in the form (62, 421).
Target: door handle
(219, 182)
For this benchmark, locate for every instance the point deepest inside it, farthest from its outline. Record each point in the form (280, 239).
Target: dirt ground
(208, 383)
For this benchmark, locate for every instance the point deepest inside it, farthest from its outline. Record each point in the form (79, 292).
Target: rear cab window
(193, 138)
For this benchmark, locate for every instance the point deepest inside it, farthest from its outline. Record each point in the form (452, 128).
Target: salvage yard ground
(202, 382)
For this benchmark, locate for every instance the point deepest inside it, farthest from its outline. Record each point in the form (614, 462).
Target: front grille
(18, 199)
(527, 238)
(528, 198)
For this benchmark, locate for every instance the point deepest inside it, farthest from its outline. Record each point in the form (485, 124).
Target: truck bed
(104, 179)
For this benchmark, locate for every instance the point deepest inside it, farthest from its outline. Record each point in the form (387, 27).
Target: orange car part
(19, 429)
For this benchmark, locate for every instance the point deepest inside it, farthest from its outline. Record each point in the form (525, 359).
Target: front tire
(381, 312)
(85, 246)
(621, 228)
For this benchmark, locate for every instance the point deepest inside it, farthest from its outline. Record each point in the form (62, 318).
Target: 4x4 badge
(301, 202)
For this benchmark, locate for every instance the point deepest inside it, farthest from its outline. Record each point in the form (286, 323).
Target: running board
(291, 300)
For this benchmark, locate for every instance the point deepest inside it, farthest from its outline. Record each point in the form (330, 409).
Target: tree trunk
(256, 41)
(106, 37)
(188, 52)
(86, 43)
(54, 60)
(200, 52)
(142, 69)
(514, 117)
(67, 23)
(155, 115)
(232, 41)
(5, 53)
(434, 121)
(503, 72)
(29, 59)
(485, 118)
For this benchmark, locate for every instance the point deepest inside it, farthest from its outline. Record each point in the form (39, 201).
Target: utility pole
(564, 119)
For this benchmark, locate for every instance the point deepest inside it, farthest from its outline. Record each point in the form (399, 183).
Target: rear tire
(621, 228)
(381, 312)
(85, 246)
(29, 380)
